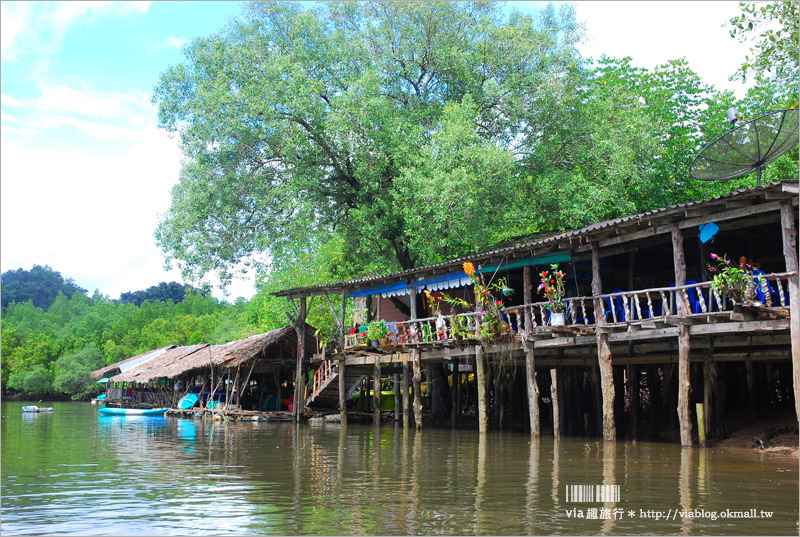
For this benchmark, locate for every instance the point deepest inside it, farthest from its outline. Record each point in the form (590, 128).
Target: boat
(113, 411)
(187, 402)
(36, 409)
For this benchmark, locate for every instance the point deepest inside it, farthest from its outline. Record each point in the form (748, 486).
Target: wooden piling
(701, 427)
(530, 366)
(376, 392)
(397, 398)
(603, 351)
(341, 368)
(751, 386)
(789, 234)
(406, 401)
(633, 389)
(417, 388)
(456, 394)
(480, 378)
(555, 400)
(708, 412)
(684, 386)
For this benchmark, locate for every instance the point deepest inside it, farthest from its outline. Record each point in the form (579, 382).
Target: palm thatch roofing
(116, 368)
(176, 361)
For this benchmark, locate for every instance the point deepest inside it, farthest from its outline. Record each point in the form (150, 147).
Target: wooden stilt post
(406, 402)
(707, 399)
(603, 351)
(554, 397)
(633, 386)
(530, 366)
(684, 384)
(455, 392)
(788, 215)
(417, 366)
(376, 392)
(480, 378)
(398, 410)
(341, 371)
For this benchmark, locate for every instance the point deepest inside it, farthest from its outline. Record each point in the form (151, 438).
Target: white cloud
(38, 28)
(6, 117)
(9, 101)
(175, 42)
(89, 103)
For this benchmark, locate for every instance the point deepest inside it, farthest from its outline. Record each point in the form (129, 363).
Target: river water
(74, 472)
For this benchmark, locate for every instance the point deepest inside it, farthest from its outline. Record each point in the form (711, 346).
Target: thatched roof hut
(275, 347)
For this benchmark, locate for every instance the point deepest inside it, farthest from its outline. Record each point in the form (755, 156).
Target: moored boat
(36, 409)
(112, 411)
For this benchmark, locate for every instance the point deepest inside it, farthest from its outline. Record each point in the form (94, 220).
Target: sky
(85, 172)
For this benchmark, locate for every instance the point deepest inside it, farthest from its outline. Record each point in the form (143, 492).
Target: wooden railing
(322, 376)
(615, 308)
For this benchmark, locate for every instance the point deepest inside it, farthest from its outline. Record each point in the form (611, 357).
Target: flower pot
(373, 343)
(384, 341)
(557, 319)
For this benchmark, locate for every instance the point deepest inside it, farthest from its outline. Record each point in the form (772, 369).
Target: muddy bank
(777, 434)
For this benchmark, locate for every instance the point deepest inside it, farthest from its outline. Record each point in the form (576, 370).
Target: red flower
(498, 303)
(552, 281)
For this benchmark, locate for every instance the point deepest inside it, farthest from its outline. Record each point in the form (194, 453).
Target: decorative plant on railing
(738, 283)
(377, 330)
(490, 320)
(552, 287)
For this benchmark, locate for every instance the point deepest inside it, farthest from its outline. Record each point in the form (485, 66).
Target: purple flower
(714, 256)
(480, 313)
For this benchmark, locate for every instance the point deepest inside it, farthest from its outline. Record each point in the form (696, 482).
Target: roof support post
(684, 383)
(341, 369)
(603, 351)
(299, 385)
(530, 366)
(789, 232)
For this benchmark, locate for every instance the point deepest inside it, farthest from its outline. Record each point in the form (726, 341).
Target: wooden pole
(455, 393)
(417, 367)
(788, 214)
(554, 398)
(751, 386)
(406, 398)
(480, 377)
(603, 351)
(299, 385)
(684, 384)
(376, 393)
(633, 384)
(530, 365)
(398, 411)
(708, 412)
(701, 427)
(341, 369)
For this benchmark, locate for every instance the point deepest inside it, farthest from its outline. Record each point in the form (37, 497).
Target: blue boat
(187, 402)
(111, 411)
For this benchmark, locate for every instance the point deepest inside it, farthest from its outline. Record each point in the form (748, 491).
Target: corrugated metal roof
(553, 239)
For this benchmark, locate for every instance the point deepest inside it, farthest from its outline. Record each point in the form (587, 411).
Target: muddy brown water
(75, 472)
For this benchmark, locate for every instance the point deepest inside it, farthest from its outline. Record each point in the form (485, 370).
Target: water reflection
(267, 478)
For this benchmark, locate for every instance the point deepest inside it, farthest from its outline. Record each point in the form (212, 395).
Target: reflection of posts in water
(556, 473)
(531, 505)
(702, 474)
(297, 473)
(609, 470)
(684, 488)
(416, 462)
(480, 487)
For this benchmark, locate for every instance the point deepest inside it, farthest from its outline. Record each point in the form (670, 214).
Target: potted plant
(377, 330)
(552, 285)
(737, 283)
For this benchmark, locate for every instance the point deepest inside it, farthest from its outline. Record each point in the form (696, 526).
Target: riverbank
(778, 434)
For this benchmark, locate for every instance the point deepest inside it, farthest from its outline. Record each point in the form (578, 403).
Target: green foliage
(772, 28)
(41, 285)
(390, 128)
(35, 382)
(73, 372)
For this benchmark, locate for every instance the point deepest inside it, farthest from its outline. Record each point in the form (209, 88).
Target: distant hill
(41, 284)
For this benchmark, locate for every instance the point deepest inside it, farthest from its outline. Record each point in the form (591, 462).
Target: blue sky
(85, 172)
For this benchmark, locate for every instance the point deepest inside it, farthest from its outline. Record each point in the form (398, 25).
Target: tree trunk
(603, 352)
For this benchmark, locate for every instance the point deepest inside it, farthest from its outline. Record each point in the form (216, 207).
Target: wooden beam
(299, 385)
(415, 363)
(341, 371)
(684, 347)
(554, 398)
(480, 377)
(376, 394)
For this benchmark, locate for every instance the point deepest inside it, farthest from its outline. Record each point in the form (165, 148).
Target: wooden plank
(684, 344)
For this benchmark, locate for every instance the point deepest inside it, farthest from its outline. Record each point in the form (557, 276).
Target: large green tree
(389, 127)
